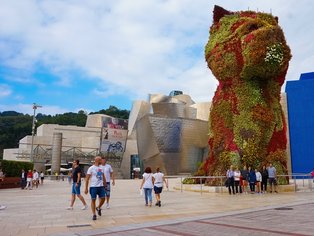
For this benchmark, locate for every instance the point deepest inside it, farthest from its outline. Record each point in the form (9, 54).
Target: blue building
(300, 101)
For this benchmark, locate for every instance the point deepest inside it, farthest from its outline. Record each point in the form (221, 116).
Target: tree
(14, 126)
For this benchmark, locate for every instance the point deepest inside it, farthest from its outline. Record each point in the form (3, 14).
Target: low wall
(222, 189)
(10, 182)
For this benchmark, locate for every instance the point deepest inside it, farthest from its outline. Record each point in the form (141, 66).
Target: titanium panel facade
(176, 145)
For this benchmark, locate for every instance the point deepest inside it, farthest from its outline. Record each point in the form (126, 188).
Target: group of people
(239, 180)
(97, 182)
(31, 179)
(152, 181)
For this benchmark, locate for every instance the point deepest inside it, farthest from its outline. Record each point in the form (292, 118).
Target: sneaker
(94, 217)
(108, 207)
(98, 211)
(2, 207)
(69, 208)
(84, 207)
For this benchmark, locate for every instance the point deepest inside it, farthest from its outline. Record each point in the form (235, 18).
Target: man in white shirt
(108, 171)
(35, 178)
(97, 184)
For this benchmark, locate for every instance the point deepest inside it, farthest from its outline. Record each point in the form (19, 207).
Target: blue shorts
(76, 189)
(157, 190)
(107, 189)
(94, 191)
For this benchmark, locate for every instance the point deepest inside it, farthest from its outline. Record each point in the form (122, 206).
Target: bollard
(181, 184)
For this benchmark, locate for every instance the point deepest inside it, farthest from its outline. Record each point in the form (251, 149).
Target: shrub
(14, 168)
(188, 181)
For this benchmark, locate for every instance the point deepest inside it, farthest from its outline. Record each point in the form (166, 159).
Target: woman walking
(29, 179)
(158, 179)
(147, 184)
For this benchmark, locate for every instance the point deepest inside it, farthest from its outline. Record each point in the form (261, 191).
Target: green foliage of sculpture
(248, 54)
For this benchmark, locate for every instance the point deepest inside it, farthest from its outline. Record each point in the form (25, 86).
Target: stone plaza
(43, 211)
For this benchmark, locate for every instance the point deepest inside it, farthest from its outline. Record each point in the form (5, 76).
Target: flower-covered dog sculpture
(248, 54)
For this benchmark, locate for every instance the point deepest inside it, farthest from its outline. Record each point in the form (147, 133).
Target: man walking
(76, 185)
(97, 183)
(108, 171)
(23, 179)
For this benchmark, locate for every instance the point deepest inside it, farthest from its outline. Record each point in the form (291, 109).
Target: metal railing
(301, 182)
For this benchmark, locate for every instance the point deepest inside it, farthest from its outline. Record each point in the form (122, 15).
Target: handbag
(227, 182)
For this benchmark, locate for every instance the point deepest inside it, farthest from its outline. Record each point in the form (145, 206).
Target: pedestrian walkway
(43, 212)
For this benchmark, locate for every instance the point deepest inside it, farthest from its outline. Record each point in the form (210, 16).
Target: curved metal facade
(174, 144)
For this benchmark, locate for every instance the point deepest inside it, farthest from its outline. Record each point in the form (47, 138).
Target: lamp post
(35, 106)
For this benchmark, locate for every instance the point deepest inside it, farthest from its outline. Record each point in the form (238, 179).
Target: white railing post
(181, 185)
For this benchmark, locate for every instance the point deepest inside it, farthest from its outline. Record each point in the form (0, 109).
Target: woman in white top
(258, 180)
(147, 184)
(158, 179)
(237, 175)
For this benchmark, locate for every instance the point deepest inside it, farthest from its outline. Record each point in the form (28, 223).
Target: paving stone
(43, 212)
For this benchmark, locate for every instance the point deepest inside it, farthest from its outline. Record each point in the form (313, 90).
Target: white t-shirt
(35, 176)
(158, 179)
(258, 176)
(107, 169)
(96, 176)
(237, 175)
(148, 180)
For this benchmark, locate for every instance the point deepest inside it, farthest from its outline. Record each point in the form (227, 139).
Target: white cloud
(28, 109)
(5, 90)
(136, 47)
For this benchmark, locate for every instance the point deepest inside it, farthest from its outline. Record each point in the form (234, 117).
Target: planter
(222, 189)
(10, 182)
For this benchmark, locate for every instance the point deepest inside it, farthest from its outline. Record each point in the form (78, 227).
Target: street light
(35, 106)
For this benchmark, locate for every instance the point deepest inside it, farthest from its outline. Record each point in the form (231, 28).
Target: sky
(71, 55)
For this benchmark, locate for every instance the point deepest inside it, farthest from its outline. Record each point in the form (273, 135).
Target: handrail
(294, 176)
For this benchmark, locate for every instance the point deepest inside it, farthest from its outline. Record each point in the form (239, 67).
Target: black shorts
(272, 181)
(157, 190)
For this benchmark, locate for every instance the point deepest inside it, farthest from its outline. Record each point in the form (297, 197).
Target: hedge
(14, 168)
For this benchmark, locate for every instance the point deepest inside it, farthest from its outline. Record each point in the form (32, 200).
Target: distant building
(175, 93)
(174, 136)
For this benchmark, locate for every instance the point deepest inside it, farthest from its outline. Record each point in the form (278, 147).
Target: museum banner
(113, 137)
